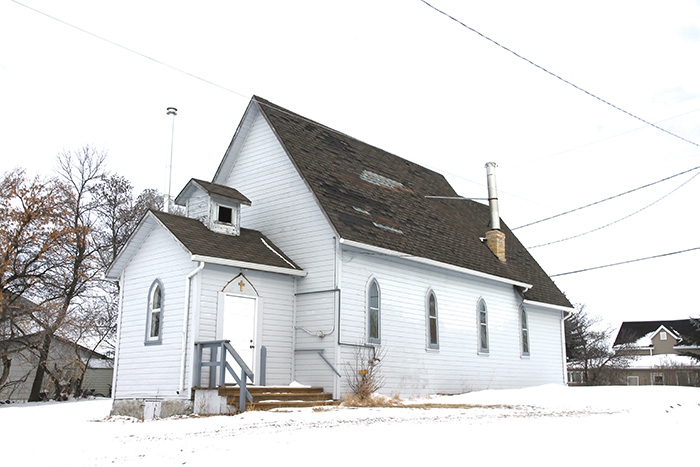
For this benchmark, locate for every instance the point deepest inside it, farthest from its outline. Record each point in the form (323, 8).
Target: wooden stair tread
(272, 397)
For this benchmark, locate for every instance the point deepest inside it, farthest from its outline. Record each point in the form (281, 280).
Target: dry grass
(372, 400)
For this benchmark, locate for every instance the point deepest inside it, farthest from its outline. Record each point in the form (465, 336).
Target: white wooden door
(239, 328)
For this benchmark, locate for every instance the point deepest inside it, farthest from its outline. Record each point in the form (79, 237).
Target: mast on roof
(169, 169)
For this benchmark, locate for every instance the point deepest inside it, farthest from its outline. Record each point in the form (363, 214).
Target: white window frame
(374, 309)
(482, 326)
(231, 210)
(431, 317)
(154, 311)
(633, 381)
(524, 332)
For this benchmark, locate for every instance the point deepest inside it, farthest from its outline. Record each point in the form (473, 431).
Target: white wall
(152, 370)
(409, 366)
(284, 209)
(274, 315)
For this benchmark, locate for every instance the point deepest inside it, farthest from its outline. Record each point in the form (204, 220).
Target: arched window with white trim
(524, 332)
(432, 321)
(154, 321)
(374, 313)
(483, 326)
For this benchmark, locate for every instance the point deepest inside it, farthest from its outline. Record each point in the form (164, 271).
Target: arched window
(524, 332)
(483, 323)
(374, 314)
(154, 322)
(432, 321)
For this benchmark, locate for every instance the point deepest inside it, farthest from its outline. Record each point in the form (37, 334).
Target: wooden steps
(274, 397)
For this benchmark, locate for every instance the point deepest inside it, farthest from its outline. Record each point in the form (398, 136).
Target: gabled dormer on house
(218, 207)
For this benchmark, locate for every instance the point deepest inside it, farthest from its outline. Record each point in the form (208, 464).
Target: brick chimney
(495, 239)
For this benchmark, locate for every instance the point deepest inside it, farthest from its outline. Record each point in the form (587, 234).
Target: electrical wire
(618, 220)
(608, 198)
(116, 44)
(625, 262)
(579, 88)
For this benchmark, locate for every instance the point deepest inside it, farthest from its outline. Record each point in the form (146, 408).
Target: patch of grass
(372, 400)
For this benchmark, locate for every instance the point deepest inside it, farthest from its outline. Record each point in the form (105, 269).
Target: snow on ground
(546, 425)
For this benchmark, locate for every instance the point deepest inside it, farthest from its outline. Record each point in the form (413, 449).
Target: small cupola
(218, 207)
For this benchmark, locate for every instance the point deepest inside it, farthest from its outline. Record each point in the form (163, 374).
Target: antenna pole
(169, 169)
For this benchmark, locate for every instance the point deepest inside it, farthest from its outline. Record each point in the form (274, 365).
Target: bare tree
(57, 236)
(32, 226)
(74, 266)
(589, 350)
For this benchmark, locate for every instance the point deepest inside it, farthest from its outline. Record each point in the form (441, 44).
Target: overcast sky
(406, 78)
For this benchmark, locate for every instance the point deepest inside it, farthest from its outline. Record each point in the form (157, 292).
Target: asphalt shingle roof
(631, 331)
(216, 190)
(250, 246)
(376, 198)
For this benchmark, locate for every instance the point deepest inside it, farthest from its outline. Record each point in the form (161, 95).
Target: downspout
(115, 365)
(185, 322)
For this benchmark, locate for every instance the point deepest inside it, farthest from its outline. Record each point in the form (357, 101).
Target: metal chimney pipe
(495, 223)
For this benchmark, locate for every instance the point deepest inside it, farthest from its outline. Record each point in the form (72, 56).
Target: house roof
(378, 199)
(212, 189)
(639, 333)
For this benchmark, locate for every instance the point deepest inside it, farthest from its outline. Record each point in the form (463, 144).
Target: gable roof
(635, 332)
(212, 189)
(374, 198)
(251, 249)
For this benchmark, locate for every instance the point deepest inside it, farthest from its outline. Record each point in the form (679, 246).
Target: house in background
(66, 361)
(310, 249)
(661, 350)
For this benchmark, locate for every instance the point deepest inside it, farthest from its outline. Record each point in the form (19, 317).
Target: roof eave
(432, 262)
(550, 306)
(249, 265)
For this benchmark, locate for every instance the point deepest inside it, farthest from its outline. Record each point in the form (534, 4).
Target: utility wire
(625, 262)
(607, 199)
(116, 44)
(618, 220)
(646, 122)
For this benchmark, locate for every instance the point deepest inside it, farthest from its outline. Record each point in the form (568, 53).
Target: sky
(553, 424)
(561, 95)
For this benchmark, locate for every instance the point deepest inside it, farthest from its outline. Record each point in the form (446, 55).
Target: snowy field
(543, 426)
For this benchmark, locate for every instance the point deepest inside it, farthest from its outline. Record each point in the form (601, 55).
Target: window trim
(482, 327)
(431, 321)
(524, 332)
(370, 310)
(150, 310)
(228, 209)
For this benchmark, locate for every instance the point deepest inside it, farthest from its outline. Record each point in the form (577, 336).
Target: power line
(116, 44)
(625, 262)
(618, 220)
(646, 122)
(607, 199)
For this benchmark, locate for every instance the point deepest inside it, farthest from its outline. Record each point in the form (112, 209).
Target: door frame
(257, 326)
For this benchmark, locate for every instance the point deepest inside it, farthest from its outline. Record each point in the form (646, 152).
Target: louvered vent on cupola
(218, 207)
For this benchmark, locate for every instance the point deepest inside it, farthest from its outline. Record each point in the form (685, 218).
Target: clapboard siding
(152, 369)
(284, 209)
(198, 206)
(409, 367)
(282, 206)
(275, 315)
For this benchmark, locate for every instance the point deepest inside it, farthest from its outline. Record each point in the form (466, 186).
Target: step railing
(219, 365)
